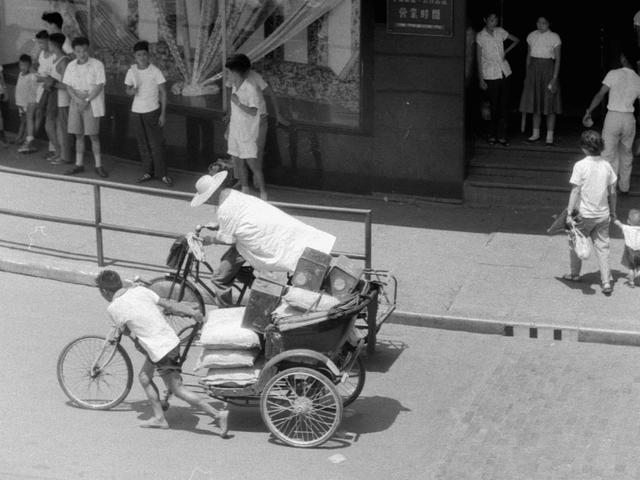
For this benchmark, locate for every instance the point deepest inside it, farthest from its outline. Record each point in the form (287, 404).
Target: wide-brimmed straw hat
(207, 186)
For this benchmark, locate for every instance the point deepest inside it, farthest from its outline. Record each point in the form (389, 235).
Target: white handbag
(581, 244)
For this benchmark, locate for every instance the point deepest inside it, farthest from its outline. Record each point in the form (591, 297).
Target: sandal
(144, 178)
(504, 142)
(491, 140)
(571, 278)
(167, 181)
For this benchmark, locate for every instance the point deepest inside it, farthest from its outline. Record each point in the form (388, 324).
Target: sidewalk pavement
(458, 266)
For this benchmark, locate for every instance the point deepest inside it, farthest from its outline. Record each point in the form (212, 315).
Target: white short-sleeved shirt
(542, 44)
(137, 309)
(243, 126)
(147, 80)
(26, 89)
(45, 65)
(63, 95)
(631, 236)
(269, 239)
(84, 77)
(624, 89)
(636, 19)
(259, 81)
(594, 176)
(494, 66)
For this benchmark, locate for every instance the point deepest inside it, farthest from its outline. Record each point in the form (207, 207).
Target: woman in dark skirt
(541, 94)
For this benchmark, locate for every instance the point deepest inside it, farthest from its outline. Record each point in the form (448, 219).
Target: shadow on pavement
(371, 415)
(589, 280)
(387, 352)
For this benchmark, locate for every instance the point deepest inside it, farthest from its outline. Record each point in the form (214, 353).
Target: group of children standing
(67, 95)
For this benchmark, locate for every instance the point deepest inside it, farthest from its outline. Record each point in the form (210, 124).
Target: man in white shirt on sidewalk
(619, 130)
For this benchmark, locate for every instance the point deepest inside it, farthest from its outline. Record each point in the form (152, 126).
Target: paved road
(437, 405)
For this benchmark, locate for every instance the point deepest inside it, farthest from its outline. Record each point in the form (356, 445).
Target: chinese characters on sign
(420, 17)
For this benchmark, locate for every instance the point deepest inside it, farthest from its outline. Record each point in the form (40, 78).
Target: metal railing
(101, 226)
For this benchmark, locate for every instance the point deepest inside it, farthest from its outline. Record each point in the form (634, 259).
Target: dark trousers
(498, 92)
(223, 276)
(150, 142)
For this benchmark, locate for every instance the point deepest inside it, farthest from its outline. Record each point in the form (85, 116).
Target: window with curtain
(307, 50)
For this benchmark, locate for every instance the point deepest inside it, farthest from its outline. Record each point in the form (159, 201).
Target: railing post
(372, 309)
(367, 239)
(98, 223)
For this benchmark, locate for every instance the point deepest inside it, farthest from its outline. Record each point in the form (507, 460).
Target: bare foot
(223, 423)
(155, 423)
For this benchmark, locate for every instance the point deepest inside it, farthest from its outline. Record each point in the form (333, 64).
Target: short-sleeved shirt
(26, 89)
(624, 89)
(636, 19)
(84, 78)
(494, 65)
(269, 239)
(631, 236)
(259, 81)
(243, 126)
(45, 65)
(542, 44)
(137, 308)
(63, 95)
(594, 176)
(147, 80)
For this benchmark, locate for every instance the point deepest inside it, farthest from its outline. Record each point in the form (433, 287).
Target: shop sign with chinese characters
(420, 17)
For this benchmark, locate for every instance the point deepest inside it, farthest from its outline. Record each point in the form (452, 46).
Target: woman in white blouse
(541, 94)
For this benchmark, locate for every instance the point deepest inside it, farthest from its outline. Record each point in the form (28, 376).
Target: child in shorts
(26, 101)
(85, 79)
(631, 255)
(247, 107)
(138, 311)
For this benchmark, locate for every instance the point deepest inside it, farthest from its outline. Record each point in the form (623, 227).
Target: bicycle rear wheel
(95, 374)
(171, 288)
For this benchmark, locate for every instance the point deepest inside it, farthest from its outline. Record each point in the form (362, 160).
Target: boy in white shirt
(593, 195)
(631, 255)
(85, 80)
(146, 83)
(137, 310)
(26, 94)
(247, 106)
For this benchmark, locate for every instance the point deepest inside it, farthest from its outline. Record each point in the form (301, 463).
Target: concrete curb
(442, 322)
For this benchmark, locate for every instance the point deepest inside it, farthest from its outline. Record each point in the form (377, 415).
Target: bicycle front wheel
(95, 374)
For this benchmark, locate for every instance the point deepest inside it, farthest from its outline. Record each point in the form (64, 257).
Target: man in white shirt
(137, 311)
(263, 235)
(593, 195)
(618, 132)
(85, 80)
(146, 83)
(494, 72)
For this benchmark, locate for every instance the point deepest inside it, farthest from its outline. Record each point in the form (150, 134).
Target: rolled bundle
(223, 331)
(231, 377)
(226, 359)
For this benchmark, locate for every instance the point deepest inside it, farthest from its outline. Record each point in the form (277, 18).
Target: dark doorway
(591, 32)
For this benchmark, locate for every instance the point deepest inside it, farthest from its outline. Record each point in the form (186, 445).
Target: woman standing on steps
(541, 94)
(494, 72)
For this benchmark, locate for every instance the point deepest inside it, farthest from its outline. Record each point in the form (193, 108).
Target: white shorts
(242, 148)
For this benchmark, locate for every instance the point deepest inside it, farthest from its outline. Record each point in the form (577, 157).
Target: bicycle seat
(245, 275)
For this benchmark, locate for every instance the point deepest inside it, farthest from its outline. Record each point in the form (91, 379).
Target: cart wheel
(301, 407)
(351, 388)
(95, 374)
(170, 289)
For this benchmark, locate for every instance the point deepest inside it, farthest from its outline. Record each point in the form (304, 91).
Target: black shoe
(504, 142)
(144, 178)
(100, 171)
(74, 170)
